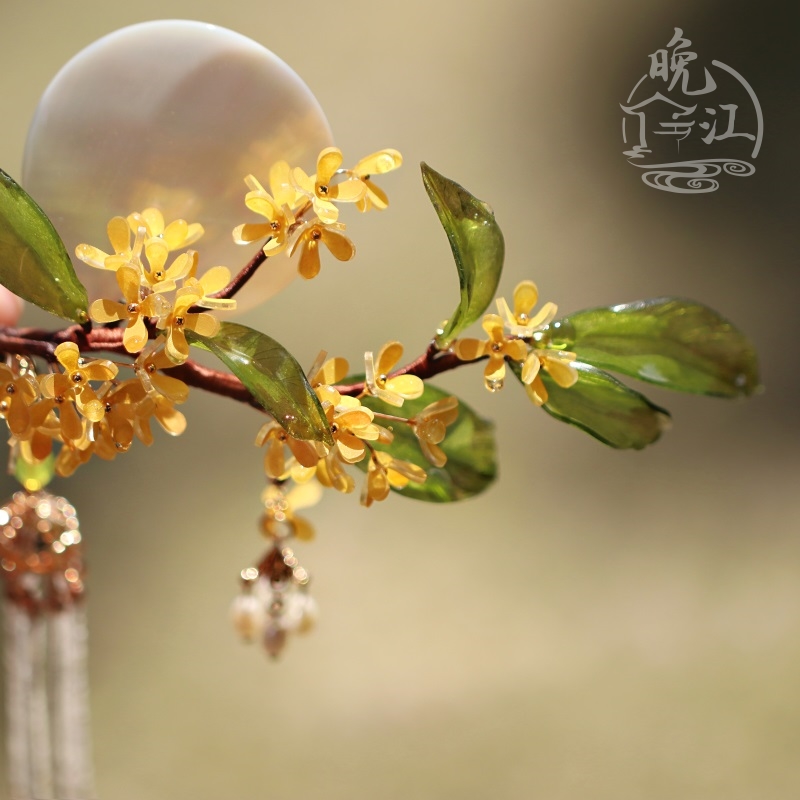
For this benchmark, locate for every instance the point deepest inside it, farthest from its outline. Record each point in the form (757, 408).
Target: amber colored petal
(252, 232)
(493, 325)
(329, 160)
(331, 473)
(215, 279)
(48, 385)
(182, 266)
(332, 371)
(545, 315)
(409, 471)
(119, 234)
(504, 311)
(339, 245)
(349, 191)
(495, 370)
(407, 386)
(100, 369)
(280, 184)
(71, 425)
(261, 203)
(376, 196)
(275, 458)
(530, 369)
(90, 405)
(142, 428)
(433, 453)
(302, 182)
(68, 355)
(470, 349)
(156, 251)
(18, 415)
(309, 263)
(353, 418)
(304, 452)
(203, 324)
(526, 295)
(537, 391)
(516, 349)
(176, 234)
(351, 448)
(388, 356)
(172, 388)
(176, 346)
(135, 336)
(326, 211)
(92, 256)
(561, 371)
(303, 530)
(170, 419)
(154, 221)
(107, 311)
(445, 410)
(379, 163)
(128, 279)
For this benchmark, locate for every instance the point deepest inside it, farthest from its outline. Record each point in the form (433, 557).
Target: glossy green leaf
(605, 408)
(34, 263)
(34, 477)
(272, 376)
(677, 344)
(471, 466)
(478, 249)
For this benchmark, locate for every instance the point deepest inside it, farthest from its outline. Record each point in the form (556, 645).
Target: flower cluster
(153, 291)
(356, 430)
(515, 335)
(85, 408)
(301, 212)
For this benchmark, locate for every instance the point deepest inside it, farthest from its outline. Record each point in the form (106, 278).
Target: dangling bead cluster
(274, 599)
(40, 552)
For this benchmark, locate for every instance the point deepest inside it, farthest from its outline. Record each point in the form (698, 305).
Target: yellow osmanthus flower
(180, 319)
(498, 347)
(36, 441)
(209, 283)
(430, 428)
(558, 363)
(392, 390)
(125, 251)
(276, 465)
(277, 210)
(148, 368)
(384, 473)
(17, 393)
(309, 239)
(320, 188)
(520, 322)
(134, 310)
(73, 386)
(154, 272)
(375, 164)
(177, 235)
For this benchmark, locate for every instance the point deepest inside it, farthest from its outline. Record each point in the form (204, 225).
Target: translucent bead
(171, 114)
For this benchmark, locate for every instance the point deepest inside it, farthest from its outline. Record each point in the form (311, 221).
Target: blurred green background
(599, 624)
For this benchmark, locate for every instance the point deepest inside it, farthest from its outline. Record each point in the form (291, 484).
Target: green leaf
(34, 477)
(469, 445)
(605, 408)
(34, 263)
(272, 376)
(478, 249)
(677, 344)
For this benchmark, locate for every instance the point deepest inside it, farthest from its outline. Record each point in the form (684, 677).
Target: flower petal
(526, 295)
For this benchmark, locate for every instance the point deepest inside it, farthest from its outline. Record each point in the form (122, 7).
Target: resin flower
(276, 465)
(156, 274)
(498, 348)
(17, 393)
(558, 364)
(520, 323)
(384, 473)
(133, 310)
(375, 164)
(125, 251)
(321, 189)
(180, 319)
(208, 284)
(279, 218)
(309, 240)
(149, 366)
(397, 389)
(177, 235)
(73, 386)
(430, 427)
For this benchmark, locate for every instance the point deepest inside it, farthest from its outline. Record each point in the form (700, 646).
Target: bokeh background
(599, 624)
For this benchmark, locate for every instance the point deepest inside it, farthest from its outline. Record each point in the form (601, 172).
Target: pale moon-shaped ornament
(171, 114)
